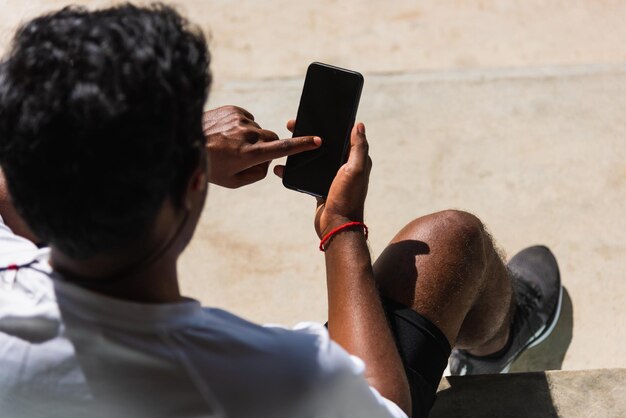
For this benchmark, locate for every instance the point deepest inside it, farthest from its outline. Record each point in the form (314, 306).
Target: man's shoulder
(304, 353)
(299, 368)
(273, 367)
(303, 341)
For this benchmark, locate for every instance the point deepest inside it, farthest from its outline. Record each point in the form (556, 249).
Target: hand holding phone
(346, 197)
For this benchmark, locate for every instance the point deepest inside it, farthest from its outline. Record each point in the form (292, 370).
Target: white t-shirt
(69, 352)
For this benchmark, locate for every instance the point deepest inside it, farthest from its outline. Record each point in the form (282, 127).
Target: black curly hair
(100, 121)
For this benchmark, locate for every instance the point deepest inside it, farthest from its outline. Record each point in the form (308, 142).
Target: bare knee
(451, 249)
(480, 283)
(441, 277)
(461, 224)
(460, 235)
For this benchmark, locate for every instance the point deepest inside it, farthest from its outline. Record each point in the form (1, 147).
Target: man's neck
(155, 283)
(143, 270)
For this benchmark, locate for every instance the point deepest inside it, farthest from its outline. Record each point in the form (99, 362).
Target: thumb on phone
(359, 148)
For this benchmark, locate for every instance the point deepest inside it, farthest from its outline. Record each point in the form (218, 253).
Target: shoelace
(527, 299)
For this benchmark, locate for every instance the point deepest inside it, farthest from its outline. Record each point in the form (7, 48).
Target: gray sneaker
(537, 293)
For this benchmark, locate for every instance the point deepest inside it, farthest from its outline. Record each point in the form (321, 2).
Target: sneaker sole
(541, 335)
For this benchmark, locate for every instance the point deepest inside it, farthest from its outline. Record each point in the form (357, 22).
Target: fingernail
(317, 140)
(360, 128)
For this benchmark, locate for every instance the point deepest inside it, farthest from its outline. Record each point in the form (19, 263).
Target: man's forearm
(356, 317)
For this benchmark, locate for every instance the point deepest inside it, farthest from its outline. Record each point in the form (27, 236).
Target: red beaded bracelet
(328, 236)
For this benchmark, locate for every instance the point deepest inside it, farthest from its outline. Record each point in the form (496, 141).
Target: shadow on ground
(517, 395)
(566, 394)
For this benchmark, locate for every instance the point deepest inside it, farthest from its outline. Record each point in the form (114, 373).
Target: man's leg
(445, 267)
(445, 286)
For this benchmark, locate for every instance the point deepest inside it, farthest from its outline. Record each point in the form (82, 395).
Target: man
(105, 150)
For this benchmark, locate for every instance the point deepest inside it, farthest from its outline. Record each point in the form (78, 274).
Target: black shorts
(424, 350)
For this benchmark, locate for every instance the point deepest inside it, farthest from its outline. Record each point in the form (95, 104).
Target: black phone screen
(328, 106)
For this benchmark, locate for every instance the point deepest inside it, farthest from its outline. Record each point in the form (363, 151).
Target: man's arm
(240, 151)
(356, 319)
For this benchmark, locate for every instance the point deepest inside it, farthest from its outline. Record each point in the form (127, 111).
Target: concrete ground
(589, 393)
(511, 110)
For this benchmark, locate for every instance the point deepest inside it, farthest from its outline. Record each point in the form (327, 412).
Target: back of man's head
(100, 122)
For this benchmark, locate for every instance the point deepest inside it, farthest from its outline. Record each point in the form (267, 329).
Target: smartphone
(328, 107)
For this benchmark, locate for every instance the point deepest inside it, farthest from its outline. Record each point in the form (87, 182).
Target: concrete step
(279, 38)
(567, 394)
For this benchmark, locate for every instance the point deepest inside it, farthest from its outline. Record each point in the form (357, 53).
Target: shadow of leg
(522, 395)
(549, 354)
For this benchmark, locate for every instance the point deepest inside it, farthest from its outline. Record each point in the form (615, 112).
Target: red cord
(328, 236)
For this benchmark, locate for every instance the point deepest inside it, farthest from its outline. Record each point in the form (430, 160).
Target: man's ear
(198, 182)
